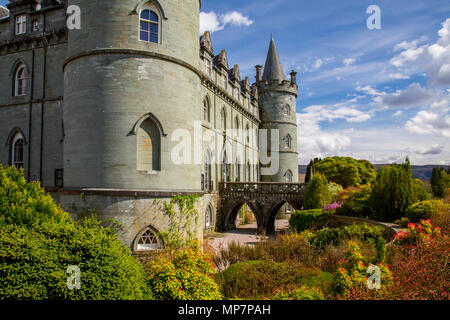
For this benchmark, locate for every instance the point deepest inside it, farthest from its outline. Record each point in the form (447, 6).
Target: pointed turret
(273, 69)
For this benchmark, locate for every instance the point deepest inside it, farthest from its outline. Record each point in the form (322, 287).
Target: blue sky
(374, 94)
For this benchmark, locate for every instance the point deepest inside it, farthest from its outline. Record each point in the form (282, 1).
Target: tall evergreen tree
(393, 191)
(309, 171)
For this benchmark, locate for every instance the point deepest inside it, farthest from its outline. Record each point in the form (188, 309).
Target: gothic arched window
(149, 25)
(206, 111)
(288, 176)
(287, 110)
(148, 146)
(207, 171)
(148, 240)
(287, 142)
(225, 168)
(17, 147)
(209, 218)
(20, 81)
(223, 119)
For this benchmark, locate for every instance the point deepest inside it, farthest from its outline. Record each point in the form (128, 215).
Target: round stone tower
(130, 80)
(277, 101)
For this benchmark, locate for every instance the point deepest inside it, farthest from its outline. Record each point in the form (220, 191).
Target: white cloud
(316, 142)
(399, 113)
(318, 63)
(434, 149)
(236, 19)
(398, 76)
(349, 61)
(210, 21)
(428, 122)
(370, 91)
(412, 96)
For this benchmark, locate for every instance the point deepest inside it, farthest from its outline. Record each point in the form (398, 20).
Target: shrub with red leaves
(422, 272)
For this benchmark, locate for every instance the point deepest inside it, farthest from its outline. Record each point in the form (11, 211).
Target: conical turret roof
(273, 69)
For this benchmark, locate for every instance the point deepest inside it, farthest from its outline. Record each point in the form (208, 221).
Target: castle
(99, 115)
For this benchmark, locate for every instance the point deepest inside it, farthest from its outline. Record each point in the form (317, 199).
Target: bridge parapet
(262, 188)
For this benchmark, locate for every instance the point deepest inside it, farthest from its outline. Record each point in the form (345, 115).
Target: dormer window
(208, 69)
(21, 24)
(149, 26)
(225, 82)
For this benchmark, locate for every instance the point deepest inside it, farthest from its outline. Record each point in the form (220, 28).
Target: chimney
(293, 77)
(258, 73)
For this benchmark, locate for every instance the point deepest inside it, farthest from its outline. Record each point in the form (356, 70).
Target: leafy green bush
(186, 276)
(254, 279)
(424, 210)
(420, 191)
(304, 220)
(371, 234)
(25, 203)
(352, 275)
(357, 203)
(302, 293)
(39, 241)
(335, 189)
(346, 171)
(318, 193)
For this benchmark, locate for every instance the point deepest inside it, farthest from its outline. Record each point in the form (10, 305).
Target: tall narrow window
(149, 26)
(20, 81)
(209, 219)
(288, 176)
(148, 147)
(225, 82)
(17, 144)
(247, 134)
(286, 110)
(249, 172)
(223, 119)
(206, 111)
(207, 173)
(21, 24)
(226, 168)
(208, 68)
(238, 170)
(287, 142)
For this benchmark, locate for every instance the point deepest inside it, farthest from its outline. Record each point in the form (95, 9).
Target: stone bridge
(265, 199)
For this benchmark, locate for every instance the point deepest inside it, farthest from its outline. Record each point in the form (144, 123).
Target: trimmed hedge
(304, 220)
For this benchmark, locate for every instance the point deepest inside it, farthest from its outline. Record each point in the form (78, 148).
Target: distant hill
(419, 172)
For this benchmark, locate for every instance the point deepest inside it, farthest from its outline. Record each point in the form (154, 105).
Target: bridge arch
(264, 199)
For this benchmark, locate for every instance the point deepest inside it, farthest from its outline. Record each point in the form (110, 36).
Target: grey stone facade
(99, 101)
